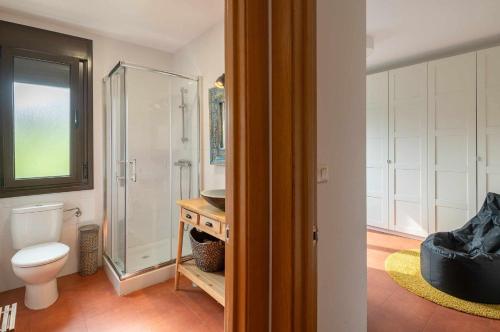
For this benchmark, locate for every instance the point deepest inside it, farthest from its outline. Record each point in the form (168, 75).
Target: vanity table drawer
(210, 224)
(190, 217)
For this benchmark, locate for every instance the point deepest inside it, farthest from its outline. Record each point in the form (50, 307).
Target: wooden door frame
(247, 166)
(293, 142)
(271, 145)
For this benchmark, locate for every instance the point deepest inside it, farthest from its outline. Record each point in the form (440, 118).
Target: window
(45, 111)
(42, 115)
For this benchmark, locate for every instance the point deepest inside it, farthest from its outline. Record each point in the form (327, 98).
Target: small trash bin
(89, 245)
(208, 251)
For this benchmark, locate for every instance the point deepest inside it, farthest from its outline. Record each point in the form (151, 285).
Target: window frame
(41, 45)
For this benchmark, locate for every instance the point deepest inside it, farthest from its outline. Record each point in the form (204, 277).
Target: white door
(452, 142)
(488, 123)
(408, 150)
(377, 108)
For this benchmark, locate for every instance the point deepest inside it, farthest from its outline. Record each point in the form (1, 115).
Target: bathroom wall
(107, 52)
(204, 56)
(341, 146)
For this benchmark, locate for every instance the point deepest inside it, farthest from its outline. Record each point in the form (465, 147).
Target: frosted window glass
(41, 130)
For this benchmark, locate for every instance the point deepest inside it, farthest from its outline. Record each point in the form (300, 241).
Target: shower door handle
(118, 177)
(133, 170)
(119, 180)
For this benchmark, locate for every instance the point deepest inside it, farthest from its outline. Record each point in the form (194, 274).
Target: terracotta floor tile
(494, 325)
(380, 321)
(377, 296)
(60, 323)
(91, 304)
(23, 321)
(393, 309)
(119, 319)
(187, 321)
(380, 279)
(408, 307)
(13, 296)
(448, 320)
(206, 309)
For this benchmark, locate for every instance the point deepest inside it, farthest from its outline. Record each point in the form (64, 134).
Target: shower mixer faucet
(183, 163)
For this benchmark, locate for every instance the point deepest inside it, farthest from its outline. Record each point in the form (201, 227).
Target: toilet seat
(40, 254)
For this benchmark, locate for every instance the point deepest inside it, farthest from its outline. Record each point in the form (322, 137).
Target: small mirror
(217, 126)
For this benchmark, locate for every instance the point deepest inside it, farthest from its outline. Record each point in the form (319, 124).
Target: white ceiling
(410, 29)
(402, 29)
(162, 24)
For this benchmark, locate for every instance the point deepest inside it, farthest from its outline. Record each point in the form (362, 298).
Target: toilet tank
(38, 223)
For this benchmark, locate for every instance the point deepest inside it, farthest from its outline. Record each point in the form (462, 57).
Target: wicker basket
(89, 245)
(208, 251)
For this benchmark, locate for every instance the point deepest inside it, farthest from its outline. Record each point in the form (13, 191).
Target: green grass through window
(41, 131)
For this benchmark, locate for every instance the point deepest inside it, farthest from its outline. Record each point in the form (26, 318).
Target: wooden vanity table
(200, 214)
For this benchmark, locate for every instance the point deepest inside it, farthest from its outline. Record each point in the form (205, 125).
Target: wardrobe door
(452, 142)
(407, 149)
(377, 108)
(488, 122)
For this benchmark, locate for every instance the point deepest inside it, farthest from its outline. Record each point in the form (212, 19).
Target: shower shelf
(198, 213)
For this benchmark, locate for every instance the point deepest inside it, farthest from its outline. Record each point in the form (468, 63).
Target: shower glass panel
(152, 161)
(115, 193)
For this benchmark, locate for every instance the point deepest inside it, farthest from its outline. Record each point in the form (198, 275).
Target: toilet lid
(40, 254)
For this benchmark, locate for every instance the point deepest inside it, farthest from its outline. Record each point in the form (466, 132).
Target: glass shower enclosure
(152, 160)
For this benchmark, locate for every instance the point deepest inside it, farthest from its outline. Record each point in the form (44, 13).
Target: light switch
(322, 174)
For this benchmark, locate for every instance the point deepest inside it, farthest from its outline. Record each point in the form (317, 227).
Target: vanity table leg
(180, 238)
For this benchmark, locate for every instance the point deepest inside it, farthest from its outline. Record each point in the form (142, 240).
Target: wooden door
(258, 217)
(377, 153)
(452, 141)
(407, 150)
(488, 123)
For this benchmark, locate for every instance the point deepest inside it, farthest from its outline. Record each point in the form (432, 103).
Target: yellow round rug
(404, 267)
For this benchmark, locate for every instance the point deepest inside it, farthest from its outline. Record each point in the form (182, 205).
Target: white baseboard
(383, 230)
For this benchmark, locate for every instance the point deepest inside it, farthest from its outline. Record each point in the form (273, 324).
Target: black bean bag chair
(465, 263)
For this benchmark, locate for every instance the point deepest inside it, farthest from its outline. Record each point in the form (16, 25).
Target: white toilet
(36, 230)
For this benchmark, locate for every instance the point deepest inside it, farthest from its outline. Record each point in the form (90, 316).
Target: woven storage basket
(208, 251)
(89, 244)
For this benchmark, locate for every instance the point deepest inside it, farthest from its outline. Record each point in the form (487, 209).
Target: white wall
(407, 32)
(107, 53)
(204, 56)
(341, 146)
